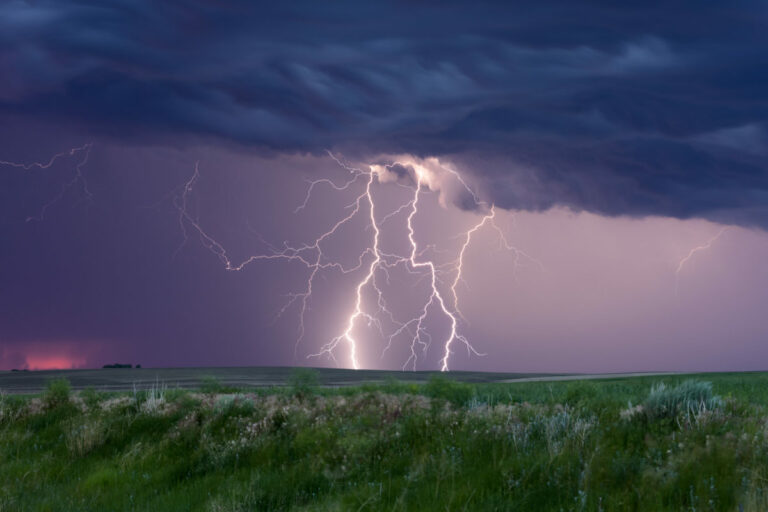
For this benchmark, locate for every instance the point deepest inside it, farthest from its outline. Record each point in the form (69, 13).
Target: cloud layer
(627, 110)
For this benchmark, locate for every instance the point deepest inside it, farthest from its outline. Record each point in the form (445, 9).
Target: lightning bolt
(683, 262)
(310, 255)
(458, 264)
(78, 177)
(369, 278)
(376, 263)
(436, 296)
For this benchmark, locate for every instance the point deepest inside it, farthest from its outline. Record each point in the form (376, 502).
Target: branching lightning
(443, 297)
(78, 177)
(684, 261)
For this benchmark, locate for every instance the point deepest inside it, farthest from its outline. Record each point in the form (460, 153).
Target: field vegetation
(651, 444)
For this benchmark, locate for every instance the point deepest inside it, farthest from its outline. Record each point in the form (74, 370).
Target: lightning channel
(78, 177)
(684, 261)
(442, 295)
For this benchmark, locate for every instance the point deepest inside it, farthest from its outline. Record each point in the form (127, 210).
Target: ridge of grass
(689, 445)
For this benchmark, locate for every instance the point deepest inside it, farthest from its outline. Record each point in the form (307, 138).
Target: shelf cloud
(632, 111)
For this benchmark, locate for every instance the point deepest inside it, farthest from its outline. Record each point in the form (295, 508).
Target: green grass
(697, 443)
(125, 379)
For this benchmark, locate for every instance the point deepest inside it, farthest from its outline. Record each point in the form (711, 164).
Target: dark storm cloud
(627, 109)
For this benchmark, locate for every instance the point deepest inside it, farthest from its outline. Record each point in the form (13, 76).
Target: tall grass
(304, 382)
(689, 397)
(154, 398)
(441, 446)
(57, 393)
(456, 393)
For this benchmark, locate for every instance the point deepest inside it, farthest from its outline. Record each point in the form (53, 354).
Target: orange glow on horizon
(53, 362)
(49, 355)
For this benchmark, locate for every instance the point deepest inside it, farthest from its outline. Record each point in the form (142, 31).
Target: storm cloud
(637, 109)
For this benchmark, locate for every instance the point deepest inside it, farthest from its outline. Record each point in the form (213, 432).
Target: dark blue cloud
(627, 109)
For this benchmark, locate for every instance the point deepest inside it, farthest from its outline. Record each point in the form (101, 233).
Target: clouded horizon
(624, 147)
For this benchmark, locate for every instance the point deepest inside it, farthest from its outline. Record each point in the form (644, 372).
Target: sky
(612, 159)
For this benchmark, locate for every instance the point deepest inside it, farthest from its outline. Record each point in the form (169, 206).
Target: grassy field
(690, 443)
(125, 379)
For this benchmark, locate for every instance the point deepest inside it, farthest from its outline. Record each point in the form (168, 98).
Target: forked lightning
(375, 262)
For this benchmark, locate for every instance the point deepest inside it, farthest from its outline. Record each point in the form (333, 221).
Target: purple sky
(111, 281)
(624, 150)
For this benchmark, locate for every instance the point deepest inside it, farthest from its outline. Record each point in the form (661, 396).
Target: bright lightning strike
(376, 263)
(436, 295)
(78, 177)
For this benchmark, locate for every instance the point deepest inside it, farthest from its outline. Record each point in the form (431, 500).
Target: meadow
(683, 443)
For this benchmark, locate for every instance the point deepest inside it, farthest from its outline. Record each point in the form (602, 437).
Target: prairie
(672, 442)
